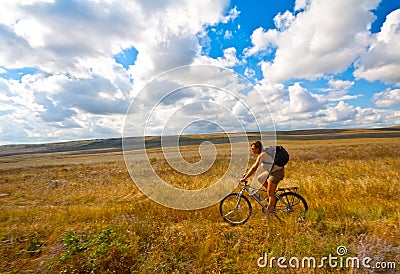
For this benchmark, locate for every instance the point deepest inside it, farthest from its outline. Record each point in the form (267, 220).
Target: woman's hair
(257, 144)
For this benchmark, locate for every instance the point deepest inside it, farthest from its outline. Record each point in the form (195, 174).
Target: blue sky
(70, 69)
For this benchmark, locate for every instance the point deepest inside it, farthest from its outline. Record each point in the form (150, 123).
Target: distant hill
(115, 144)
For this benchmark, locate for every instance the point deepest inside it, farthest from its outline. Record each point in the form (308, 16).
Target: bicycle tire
(291, 204)
(235, 209)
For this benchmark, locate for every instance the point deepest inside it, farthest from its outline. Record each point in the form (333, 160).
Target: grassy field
(82, 213)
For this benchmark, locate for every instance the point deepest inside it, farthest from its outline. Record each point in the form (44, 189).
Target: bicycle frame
(249, 188)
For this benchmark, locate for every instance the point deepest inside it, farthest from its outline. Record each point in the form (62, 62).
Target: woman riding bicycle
(268, 179)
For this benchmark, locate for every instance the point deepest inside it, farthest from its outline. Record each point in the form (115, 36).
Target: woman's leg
(273, 180)
(262, 178)
(271, 196)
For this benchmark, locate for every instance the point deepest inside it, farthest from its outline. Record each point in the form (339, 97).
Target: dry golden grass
(83, 213)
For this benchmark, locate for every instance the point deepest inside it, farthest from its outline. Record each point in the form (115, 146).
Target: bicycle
(236, 208)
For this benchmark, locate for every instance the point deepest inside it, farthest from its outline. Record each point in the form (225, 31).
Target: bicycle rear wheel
(235, 209)
(291, 204)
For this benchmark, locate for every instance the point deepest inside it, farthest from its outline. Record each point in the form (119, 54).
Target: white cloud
(315, 42)
(163, 33)
(302, 101)
(336, 84)
(297, 108)
(80, 91)
(337, 116)
(170, 38)
(249, 73)
(390, 28)
(196, 93)
(228, 60)
(261, 40)
(382, 60)
(272, 91)
(301, 4)
(228, 34)
(341, 112)
(283, 21)
(79, 85)
(338, 90)
(232, 15)
(387, 98)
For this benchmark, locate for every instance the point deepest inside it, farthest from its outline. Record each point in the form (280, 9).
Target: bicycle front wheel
(291, 203)
(235, 209)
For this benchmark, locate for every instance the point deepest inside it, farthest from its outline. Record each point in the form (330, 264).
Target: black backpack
(281, 155)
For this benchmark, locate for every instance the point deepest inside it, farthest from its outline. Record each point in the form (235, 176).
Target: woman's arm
(253, 168)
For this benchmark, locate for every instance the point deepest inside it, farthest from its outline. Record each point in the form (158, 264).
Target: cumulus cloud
(296, 107)
(382, 60)
(284, 21)
(228, 60)
(341, 112)
(272, 91)
(338, 90)
(302, 100)
(337, 84)
(311, 43)
(171, 35)
(387, 98)
(262, 40)
(301, 4)
(72, 44)
(76, 86)
(205, 97)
